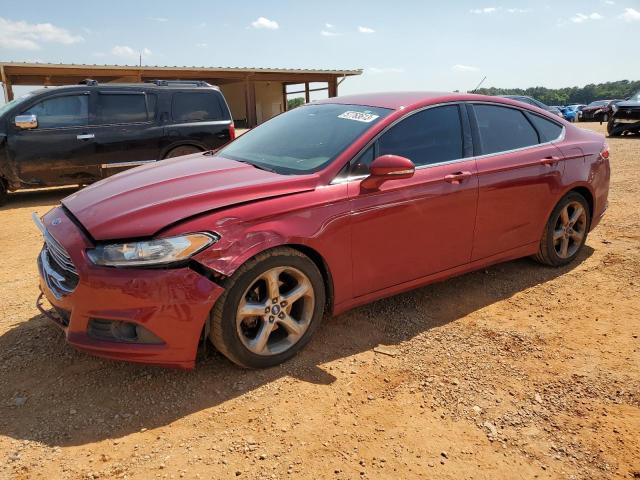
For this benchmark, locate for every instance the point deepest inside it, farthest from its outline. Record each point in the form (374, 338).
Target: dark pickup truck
(81, 133)
(626, 117)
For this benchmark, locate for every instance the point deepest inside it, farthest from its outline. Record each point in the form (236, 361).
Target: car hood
(140, 202)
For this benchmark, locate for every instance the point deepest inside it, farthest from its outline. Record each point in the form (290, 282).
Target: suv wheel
(566, 231)
(271, 307)
(182, 150)
(3, 192)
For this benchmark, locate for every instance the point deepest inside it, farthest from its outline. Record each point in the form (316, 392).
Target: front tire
(182, 150)
(565, 232)
(271, 307)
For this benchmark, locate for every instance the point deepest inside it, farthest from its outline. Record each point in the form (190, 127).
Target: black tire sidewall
(4, 195)
(552, 256)
(230, 338)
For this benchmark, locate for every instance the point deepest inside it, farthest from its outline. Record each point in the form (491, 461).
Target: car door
(519, 175)
(59, 150)
(127, 133)
(410, 228)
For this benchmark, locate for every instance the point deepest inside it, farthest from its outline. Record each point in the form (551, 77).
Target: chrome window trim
(126, 164)
(337, 181)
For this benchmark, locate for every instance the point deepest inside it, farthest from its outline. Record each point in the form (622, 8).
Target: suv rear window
(121, 108)
(196, 107)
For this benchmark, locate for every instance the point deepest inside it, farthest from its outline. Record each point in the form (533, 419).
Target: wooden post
(284, 97)
(333, 87)
(6, 85)
(306, 92)
(250, 102)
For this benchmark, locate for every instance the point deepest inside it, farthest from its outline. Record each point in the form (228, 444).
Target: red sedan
(323, 208)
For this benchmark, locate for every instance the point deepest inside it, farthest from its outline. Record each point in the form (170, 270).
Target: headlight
(161, 251)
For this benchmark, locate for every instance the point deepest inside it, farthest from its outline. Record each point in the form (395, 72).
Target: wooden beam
(284, 97)
(333, 87)
(250, 102)
(6, 85)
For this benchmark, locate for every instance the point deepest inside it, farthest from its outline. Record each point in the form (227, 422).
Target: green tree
(569, 95)
(294, 102)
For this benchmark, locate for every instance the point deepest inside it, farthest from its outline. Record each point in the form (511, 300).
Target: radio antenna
(478, 86)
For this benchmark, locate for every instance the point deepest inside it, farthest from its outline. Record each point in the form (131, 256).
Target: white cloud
(581, 17)
(630, 15)
(464, 68)
(479, 11)
(519, 10)
(201, 45)
(329, 25)
(327, 33)
(385, 70)
(159, 19)
(27, 36)
(128, 52)
(366, 30)
(263, 22)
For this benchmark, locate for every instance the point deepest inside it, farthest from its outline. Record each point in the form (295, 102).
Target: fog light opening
(119, 331)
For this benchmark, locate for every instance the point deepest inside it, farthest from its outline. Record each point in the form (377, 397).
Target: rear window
(547, 129)
(121, 108)
(502, 129)
(197, 107)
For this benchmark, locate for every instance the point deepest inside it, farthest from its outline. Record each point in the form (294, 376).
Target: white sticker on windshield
(359, 116)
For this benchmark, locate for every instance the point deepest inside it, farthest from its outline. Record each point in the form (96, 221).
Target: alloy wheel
(275, 311)
(570, 229)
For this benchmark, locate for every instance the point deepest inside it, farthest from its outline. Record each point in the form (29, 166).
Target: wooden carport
(241, 82)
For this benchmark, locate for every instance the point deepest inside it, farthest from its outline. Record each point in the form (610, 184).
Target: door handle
(549, 161)
(85, 136)
(457, 177)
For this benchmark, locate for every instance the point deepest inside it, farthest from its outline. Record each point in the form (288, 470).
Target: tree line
(569, 95)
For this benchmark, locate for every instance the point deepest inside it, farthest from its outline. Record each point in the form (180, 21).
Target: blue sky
(400, 45)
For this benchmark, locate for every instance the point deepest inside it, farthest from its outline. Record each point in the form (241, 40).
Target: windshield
(304, 140)
(598, 103)
(636, 97)
(9, 105)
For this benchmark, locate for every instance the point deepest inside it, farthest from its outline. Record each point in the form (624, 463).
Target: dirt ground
(517, 371)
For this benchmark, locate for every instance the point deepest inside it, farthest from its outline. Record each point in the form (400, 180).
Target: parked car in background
(535, 103)
(81, 133)
(571, 112)
(625, 117)
(326, 207)
(598, 111)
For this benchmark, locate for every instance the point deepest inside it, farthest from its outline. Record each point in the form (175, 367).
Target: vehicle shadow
(33, 198)
(57, 396)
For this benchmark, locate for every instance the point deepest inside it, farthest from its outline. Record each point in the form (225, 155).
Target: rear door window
(547, 129)
(431, 136)
(121, 108)
(196, 107)
(66, 111)
(502, 129)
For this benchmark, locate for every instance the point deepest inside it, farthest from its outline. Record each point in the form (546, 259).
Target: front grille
(56, 267)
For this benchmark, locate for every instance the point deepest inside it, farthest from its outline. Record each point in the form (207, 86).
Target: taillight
(604, 153)
(232, 131)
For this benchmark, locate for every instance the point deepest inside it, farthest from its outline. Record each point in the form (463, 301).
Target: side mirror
(26, 121)
(388, 167)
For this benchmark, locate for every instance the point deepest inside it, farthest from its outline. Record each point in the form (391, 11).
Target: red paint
(442, 221)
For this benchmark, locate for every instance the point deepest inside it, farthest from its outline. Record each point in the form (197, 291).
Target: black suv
(81, 133)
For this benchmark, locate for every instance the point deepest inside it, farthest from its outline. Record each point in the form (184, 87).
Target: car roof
(125, 86)
(401, 100)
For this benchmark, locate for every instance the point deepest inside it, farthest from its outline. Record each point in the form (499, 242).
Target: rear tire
(269, 310)
(182, 150)
(565, 232)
